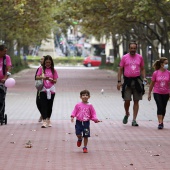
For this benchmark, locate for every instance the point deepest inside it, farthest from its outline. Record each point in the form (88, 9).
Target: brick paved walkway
(112, 146)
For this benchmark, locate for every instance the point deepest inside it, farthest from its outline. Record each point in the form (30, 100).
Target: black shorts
(82, 127)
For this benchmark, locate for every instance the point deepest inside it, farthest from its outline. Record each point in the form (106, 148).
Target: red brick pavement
(112, 146)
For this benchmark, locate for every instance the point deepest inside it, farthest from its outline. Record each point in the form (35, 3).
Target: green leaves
(26, 21)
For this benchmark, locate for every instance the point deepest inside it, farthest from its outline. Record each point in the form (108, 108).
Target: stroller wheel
(5, 118)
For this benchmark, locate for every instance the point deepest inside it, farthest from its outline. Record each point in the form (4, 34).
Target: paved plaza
(112, 145)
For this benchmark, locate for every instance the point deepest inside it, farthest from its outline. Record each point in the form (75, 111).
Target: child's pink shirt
(162, 80)
(8, 63)
(48, 73)
(84, 112)
(132, 65)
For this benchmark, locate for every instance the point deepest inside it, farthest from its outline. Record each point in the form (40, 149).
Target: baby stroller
(3, 117)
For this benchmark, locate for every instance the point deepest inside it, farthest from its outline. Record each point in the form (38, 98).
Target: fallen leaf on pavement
(156, 155)
(68, 133)
(28, 144)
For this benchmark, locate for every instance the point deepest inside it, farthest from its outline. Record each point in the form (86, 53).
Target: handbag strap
(42, 72)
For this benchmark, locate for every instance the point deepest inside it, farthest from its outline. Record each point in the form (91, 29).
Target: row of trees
(24, 23)
(27, 22)
(146, 21)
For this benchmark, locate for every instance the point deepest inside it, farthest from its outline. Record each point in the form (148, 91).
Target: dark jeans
(161, 102)
(46, 105)
(82, 127)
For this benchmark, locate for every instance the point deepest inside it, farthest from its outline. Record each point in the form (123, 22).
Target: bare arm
(53, 80)
(150, 90)
(143, 73)
(8, 69)
(119, 76)
(38, 77)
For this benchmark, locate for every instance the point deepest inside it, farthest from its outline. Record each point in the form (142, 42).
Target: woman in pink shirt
(160, 85)
(84, 112)
(47, 94)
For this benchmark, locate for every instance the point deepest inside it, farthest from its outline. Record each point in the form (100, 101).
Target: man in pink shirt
(132, 68)
(84, 112)
(5, 68)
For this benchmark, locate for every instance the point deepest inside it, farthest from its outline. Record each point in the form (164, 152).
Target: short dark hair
(133, 42)
(84, 92)
(2, 47)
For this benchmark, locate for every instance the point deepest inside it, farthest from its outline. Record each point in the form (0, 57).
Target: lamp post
(115, 45)
(151, 56)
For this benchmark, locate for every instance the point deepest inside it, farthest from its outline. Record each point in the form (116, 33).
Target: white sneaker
(49, 123)
(44, 124)
(40, 119)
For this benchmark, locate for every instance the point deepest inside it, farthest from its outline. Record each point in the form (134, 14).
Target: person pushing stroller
(5, 68)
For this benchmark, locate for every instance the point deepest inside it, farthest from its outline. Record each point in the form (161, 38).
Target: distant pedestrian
(47, 94)
(160, 84)
(132, 68)
(84, 112)
(38, 102)
(25, 57)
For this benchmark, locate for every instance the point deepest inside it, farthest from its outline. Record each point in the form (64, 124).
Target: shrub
(116, 64)
(59, 60)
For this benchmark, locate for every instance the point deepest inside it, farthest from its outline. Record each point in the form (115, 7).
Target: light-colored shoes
(40, 119)
(49, 123)
(44, 124)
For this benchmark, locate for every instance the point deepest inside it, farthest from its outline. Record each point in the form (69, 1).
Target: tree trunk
(167, 46)
(10, 47)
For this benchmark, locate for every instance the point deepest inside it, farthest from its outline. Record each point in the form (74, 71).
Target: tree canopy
(29, 21)
(143, 20)
(26, 21)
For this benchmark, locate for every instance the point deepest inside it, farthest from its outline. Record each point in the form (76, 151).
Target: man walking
(132, 68)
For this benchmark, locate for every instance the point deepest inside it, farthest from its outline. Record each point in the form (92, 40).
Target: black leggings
(161, 102)
(46, 105)
(38, 101)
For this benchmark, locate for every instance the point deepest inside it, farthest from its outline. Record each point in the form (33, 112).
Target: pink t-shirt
(162, 80)
(48, 73)
(84, 112)
(132, 65)
(8, 63)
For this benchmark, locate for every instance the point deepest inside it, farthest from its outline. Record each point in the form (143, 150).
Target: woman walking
(160, 85)
(47, 94)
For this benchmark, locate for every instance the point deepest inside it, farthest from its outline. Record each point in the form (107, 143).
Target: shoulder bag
(39, 83)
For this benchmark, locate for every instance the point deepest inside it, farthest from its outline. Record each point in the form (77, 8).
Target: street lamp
(151, 56)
